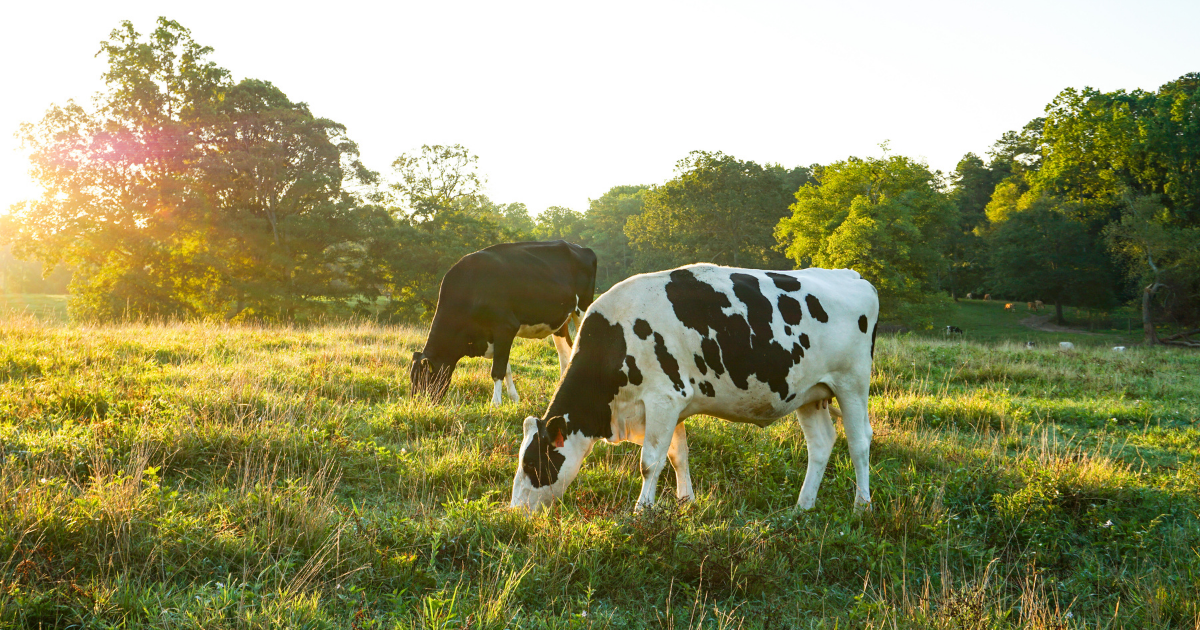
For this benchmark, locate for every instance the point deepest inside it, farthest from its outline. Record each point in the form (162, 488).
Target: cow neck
(593, 378)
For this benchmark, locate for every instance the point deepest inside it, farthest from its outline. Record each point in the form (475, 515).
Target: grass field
(988, 322)
(201, 476)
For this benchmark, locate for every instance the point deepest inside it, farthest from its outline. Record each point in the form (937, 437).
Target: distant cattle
(740, 344)
(1066, 345)
(953, 330)
(987, 296)
(1030, 344)
(1119, 349)
(970, 296)
(1008, 307)
(1029, 305)
(1039, 305)
(494, 295)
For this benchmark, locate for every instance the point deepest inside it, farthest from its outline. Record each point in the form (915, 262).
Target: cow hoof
(862, 507)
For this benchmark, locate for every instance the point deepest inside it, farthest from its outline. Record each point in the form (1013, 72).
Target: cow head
(429, 377)
(547, 463)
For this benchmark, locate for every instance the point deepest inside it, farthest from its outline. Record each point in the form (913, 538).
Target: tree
(443, 216)
(183, 194)
(717, 209)
(557, 222)
(604, 231)
(1161, 256)
(887, 218)
(438, 178)
(1042, 253)
(973, 183)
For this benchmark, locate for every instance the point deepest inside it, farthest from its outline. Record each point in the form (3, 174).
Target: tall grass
(205, 476)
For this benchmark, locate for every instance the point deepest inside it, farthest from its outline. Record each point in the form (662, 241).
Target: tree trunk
(1151, 338)
(1058, 313)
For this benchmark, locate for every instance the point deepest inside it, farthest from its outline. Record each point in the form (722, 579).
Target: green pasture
(988, 322)
(42, 306)
(208, 476)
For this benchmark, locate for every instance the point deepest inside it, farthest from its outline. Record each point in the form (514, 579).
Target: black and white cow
(488, 298)
(740, 344)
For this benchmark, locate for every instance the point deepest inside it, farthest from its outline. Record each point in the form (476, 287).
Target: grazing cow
(1030, 344)
(740, 344)
(970, 296)
(1029, 305)
(1039, 305)
(987, 296)
(1008, 307)
(1118, 348)
(1066, 346)
(527, 290)
(953, 330)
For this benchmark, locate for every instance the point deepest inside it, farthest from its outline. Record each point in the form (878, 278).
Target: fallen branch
(1182, 334)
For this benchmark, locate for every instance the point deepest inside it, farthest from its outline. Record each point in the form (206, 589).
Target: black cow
(528, 290)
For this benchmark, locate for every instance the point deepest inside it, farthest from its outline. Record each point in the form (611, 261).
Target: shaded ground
(1042, 323)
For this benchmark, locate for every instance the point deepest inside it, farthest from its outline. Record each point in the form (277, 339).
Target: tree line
(183, 193)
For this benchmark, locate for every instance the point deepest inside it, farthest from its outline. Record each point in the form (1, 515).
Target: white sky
(561, 101)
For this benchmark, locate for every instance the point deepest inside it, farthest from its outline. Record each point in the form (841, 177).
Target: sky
(563, 101)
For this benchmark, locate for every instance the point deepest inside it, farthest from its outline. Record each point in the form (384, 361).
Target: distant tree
(887, 218)
(604, 231)
(437, 178)
(557, 222)
(973, 182)
(717, 209)
(1041, 253)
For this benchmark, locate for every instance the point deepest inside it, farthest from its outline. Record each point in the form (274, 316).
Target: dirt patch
(1042, 323)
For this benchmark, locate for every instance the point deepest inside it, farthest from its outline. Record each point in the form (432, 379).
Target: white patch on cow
(491, 350)
(574, 449)
(496, 397)
(538, 331)
(1066, 345)
(1119, 349)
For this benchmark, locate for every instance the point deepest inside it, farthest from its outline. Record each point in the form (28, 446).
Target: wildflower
(1107, 525)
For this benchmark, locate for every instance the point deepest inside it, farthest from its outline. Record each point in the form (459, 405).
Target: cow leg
(678, 454)
(502, 345)
(819, 436)
(661, 420)
(512, 389)
(562, 343)
(857, 425)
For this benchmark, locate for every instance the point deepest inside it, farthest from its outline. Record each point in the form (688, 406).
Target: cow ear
(556, 428)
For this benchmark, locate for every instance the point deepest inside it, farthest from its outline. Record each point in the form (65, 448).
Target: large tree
(717, 209)
(181, 193)
(887, 218)
(1044, 251)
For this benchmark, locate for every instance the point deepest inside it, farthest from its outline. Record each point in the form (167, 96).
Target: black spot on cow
(712, 355)
(743, 346)
(862, 323)
(804, 340)
(784, 281)
(670, 366)
(790, 309)
(692, 380)
(593, 378)
(542, 461)
(814, 308)
(790, 398)
(797, 353)
(700, 364)
(635, 375)
(707, 389)
(641, 328)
